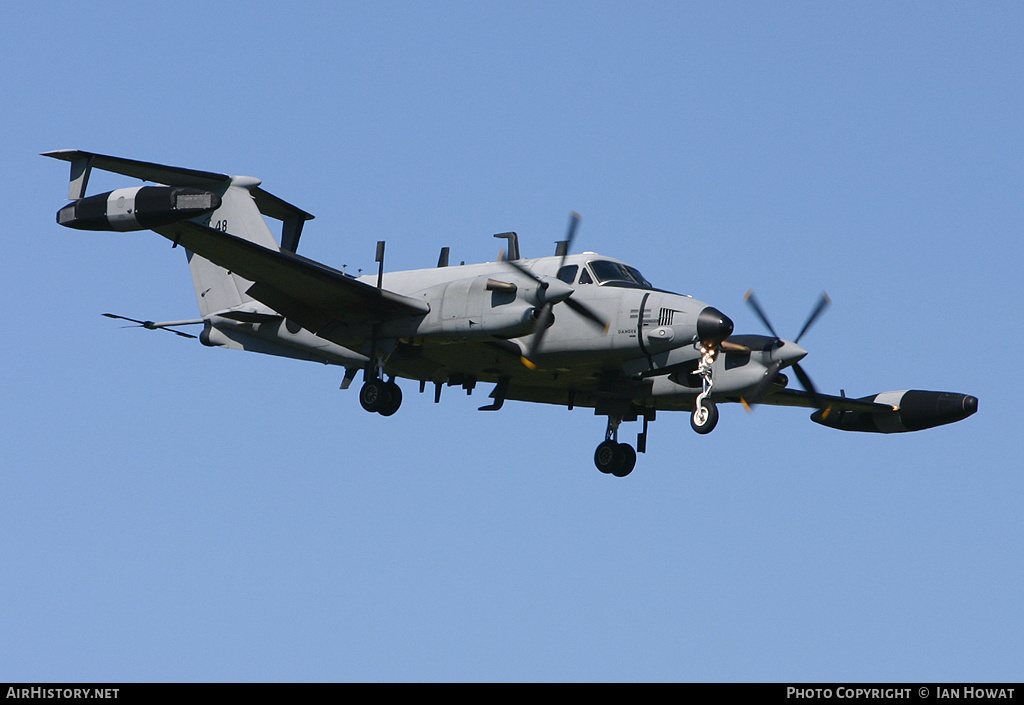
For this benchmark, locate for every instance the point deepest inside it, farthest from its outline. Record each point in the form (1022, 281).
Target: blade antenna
(380, 269)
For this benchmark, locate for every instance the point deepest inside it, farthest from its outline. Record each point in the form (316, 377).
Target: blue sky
(171, 512)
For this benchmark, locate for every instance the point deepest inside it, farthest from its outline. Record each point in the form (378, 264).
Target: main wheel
(627, 460)
(375, 395)
(606, 457)
(613, 458)
(704, 418)
(394, 393)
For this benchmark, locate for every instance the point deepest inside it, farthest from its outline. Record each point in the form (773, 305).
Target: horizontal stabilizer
(291, 217)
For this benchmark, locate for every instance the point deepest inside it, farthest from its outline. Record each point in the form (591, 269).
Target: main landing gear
(612, 457)
(381, 397)
(376, 395)
(615, 458)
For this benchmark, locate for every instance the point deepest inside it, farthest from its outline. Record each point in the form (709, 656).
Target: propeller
(155, 326)
(550, 295)
(773, 368)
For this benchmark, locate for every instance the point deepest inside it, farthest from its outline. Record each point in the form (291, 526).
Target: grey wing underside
(793, 397)
(313, 295)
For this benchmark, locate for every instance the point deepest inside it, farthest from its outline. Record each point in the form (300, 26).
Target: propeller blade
(587, 313)
(749, 298)
(522, 270)
(823, 303)
(544, 321)
(557, 294)
(574, 221)
(804, 378)
(808, 386)
(764, 384)
(570, 235)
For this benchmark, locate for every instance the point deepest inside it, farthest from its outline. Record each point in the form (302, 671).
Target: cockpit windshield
(616, 273)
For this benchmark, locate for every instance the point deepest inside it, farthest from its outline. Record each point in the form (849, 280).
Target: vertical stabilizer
(217, 288)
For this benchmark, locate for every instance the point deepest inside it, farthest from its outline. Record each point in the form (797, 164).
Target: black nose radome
(713, 326)
(970, 404)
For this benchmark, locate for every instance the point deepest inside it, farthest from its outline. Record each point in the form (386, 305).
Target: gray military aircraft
(618, 344)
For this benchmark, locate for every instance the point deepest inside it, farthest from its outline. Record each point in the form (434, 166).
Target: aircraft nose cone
(970, 404)
(713, 326)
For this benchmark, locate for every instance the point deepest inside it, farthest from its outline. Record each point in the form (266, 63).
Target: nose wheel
(704, 418)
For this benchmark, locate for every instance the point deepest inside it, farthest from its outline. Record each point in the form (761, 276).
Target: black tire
(706, 423)
(607, 457)
(627, 460)
(374, 395)
(394, 393)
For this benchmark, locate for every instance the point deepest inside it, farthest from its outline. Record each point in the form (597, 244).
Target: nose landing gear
(704, 417)
(705, 413)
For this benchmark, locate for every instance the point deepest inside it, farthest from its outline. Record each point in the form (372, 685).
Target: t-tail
(232, 204)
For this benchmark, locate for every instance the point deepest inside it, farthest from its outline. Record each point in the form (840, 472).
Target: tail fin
(242, 207)
(218, 289)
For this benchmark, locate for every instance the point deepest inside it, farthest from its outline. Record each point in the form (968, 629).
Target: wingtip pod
(912, 410)
(137, 208)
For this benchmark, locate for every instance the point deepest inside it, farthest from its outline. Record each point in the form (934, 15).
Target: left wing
(887, 412)
(312, 294)
(793, 397)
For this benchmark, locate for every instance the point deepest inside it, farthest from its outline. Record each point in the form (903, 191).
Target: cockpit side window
(585, 277)
(568, 273)
(618, 273)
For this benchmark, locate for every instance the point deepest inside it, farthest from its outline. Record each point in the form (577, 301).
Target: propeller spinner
(795, 352)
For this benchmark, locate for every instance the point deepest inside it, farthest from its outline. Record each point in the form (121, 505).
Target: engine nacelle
(915, 410)
(137, 208)
(477, 308)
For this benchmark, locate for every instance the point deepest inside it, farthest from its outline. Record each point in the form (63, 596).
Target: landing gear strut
(705, 413)
(376, 395)
(612, 457)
